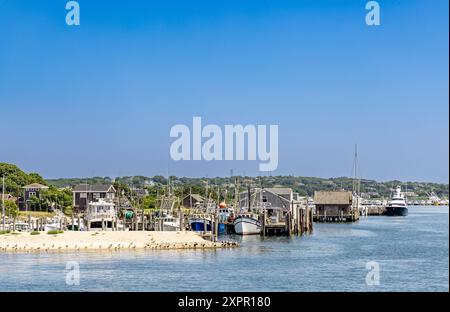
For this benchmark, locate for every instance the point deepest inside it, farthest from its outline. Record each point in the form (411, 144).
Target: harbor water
(411, 253)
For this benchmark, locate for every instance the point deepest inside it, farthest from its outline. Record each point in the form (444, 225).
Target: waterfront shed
(335, 206)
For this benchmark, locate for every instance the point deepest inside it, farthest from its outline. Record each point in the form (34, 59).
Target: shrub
(35, 233)
(55, 232)
(5, 232)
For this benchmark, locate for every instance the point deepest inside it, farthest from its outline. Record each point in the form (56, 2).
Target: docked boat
(52, 226)
(198, 223)
(171, 223)
(224, 215)
(20, 227)
(397, 205)
(101, 215)
(247, 224)
(75, 226)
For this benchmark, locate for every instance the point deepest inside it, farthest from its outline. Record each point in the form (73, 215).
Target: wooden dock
(297, 221)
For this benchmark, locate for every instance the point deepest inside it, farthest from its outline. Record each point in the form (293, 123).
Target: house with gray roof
(85, 193)
(30, 191)
(192, 200)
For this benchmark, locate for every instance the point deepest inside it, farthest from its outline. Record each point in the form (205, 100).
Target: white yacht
(397, 205)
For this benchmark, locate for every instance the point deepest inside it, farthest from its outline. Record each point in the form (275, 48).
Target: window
(31, 194)
(83, 195)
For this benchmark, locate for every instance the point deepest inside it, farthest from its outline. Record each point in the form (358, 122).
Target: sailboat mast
(356, 182)
(236, 193)
(249, 198)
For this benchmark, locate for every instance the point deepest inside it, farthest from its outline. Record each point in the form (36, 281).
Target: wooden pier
(373, 210)
(297, 221)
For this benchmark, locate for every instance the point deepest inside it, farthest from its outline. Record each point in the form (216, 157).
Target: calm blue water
(412, 253)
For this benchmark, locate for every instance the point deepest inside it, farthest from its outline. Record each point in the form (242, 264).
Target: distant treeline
(58, 196)
(305, 186)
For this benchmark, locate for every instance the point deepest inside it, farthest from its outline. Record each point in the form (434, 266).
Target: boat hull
(222, 229)
(396, 211)
(170, 227)
(247, 226)
(199, 225)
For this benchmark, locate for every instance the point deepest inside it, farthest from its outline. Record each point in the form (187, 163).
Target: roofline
(94, 191)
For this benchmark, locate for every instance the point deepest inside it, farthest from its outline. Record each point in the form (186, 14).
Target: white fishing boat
(247, 224)
(171, 223)
(224, 213)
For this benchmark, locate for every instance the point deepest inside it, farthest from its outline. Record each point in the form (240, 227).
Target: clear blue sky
(100, 98)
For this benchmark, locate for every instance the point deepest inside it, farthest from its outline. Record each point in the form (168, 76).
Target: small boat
(75, 226)
(171, 223)
(52, 226)
(198, 223)
(224, 214)
(20, 227)
(397, 205)
(247, 224)
(101, 215)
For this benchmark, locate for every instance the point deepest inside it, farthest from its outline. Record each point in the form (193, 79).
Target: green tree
(36, 178)
(11, 209)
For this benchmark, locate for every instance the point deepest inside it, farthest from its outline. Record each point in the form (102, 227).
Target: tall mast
(249, 198)
(236, 193)
(356, 182)
(218, 195)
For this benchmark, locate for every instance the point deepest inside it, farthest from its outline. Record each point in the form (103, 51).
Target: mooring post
(263, 222)
(204, 225)
(216, 226)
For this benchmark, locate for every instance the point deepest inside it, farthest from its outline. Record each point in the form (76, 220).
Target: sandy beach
(105, 240)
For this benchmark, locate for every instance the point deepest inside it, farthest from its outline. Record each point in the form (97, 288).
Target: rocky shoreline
(103, 240)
